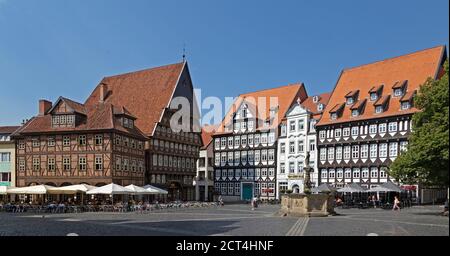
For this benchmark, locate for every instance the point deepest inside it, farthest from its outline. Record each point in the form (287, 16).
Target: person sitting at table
(339, 201)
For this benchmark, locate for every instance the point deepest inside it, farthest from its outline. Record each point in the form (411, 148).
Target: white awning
(139, 190)
(155, 190)
(73, 189)
(111, 189)
(33, 190)
(3, 190)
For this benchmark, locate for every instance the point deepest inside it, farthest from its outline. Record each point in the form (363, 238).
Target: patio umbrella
(139, 190)
(111, 189)
(73, 189)
(33, 190)
(155, 190)
(324, 188)
(351, 188)
(386, 187)
(3, 190)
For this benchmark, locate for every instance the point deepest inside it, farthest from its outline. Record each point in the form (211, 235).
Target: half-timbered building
(70, 143)
(245, 144)
(367, 121)
(153, 96)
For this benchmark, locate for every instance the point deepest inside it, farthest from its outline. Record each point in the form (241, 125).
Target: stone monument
(307, 204)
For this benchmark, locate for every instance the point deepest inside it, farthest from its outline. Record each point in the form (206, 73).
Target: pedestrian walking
(396, 204)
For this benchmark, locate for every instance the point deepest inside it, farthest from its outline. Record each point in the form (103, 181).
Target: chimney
(103, 92)
(44, 107)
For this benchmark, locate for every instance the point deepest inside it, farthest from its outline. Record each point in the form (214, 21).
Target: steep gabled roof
(98, 117)
(8, 129)
(207, 132)
(144, 93)
(415, 68)
(75, 106)
(284, 95)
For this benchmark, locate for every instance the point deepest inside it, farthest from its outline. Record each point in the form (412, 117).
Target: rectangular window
(292, 126)
(66, 141)
(51, 141)
(337, 133)
(373, 96)
(264, 155)
(393, 127)
(282, 148)
(98, 140)
(379, 109)
(36, 164)
(373, 150)
(382, 128)
(271, 155)
(338, 153)
(66, 163)
(312, 145)
(301, 125)
(331, 154)
(403, 146)
(322, 135)
(237, 142)
(51, 164)
(355, 152)
(99, 163)
(393, 149)
(244, 141)
(365, 173)
(323, 154)
(36, 143)
(301, 146)
(292, 147)
(82, 163)
(340, 173)
(356, 173)
(374, 172)
(364, 151)
(398, 92)
(291, 167)
(346, 132)
(82, 140)
(324, 174)
(383, 150)
(355, 131)
(373, 129)
(230, 142)
(347, 150)
(282, 168)
(348, 173)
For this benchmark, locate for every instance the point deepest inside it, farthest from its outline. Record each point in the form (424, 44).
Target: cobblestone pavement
(231, 220)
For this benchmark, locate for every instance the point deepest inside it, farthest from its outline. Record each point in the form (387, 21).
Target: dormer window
(399, 88)
(373, 96)
(379, 109)
(350, 101)
(316, 99)
(398, 92)
(128, 123)
(320, 107)
(334, 116)
(406, 105)
(355, 113)
(352, 97)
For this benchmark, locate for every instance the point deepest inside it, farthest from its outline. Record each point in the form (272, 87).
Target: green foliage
(426, 160)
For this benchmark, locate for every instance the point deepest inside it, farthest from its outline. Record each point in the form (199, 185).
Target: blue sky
(50, 48)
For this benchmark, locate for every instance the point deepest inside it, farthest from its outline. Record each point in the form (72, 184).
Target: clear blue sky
(50, 48)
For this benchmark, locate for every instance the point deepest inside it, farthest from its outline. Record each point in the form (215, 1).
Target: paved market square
(230, 220)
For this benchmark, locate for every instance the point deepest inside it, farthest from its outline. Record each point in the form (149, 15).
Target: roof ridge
(143, 70)
(274, 88)
(392, 58)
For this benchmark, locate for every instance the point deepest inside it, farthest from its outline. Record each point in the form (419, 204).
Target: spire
(184, 52)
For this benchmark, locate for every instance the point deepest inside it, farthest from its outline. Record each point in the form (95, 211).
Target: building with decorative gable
(245, 144)
(297, 138)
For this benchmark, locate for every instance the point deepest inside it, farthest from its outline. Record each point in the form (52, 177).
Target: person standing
(396, 204)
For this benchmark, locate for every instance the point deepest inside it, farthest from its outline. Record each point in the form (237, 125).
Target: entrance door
(247, 191)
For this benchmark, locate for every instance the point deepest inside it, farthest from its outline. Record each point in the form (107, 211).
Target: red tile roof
(207, 132)
(415, 68)
(144, 93)
(99, 117)
(285, 97)
(313, 107)
(8, 129)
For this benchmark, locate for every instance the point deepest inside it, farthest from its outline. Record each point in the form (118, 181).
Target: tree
(426, 159)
